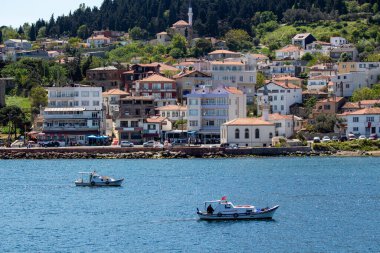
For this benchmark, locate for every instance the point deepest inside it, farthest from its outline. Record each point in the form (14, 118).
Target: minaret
(265, 107)
(190, 14)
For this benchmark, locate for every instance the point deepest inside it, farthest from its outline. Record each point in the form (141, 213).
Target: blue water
(326, 205)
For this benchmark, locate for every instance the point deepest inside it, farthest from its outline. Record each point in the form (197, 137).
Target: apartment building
(208, 109)
(73, 113)
(363, 122)
(106, 77)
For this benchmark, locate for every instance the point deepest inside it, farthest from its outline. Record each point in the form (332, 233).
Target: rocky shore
(7, 154)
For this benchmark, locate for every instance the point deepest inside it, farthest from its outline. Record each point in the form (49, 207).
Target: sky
(17, 12)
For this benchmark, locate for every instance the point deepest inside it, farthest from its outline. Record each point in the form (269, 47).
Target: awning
(69, 109)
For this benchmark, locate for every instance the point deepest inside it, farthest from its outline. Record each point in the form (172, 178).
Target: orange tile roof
(227, 63)
(248, 122)
(172, 108)
(156, 119)
(115, 92)
(319, 77)
(370, 102)
(222, 52)
(336, 99)
(233, 90)
(289, 48)
(277, 116)
(180, 23)
(284, 78)
(350, 105)
(156, 78)
(260, 56)
(286, 86)
(186, 73)
(365, 111)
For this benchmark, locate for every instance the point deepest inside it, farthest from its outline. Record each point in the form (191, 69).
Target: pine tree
(32, 33)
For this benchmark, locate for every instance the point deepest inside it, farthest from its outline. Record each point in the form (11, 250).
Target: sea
(326, 205)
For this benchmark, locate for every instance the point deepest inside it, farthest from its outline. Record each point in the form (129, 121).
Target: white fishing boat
(225, 210)
(94, 179)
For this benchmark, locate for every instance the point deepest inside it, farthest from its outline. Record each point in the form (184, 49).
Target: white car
(124, 144)
(326, 139)
(362, 137)
(316, 139)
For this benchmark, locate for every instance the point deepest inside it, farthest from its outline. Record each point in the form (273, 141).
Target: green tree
(364, 94)
(136, 33)
(307, 57)
(263, 17)
(324, 123)
(260, 80)
(179, 42)
(39, 98)
(13, 118)
(1, 37)
(42, 32)
(238, 40)
(32, 33)
(83, 32)
(202, 47)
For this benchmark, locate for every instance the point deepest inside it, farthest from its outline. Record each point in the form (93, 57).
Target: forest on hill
(211, 17)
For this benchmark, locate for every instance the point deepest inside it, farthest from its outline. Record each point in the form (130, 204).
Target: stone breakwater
(136, 153)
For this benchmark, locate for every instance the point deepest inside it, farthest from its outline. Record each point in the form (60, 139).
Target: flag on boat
(224, 198)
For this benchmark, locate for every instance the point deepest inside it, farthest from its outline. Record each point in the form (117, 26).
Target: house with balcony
(111, 103)
(338, 41)
(320, 47)
(155, 128)
(363, 122)
(344, 85)
(138, 72)
(354, 106)
(208, 109)
(282, 95)
(133, 112)
(163, 89)
(173, 112)
(73, 113)
(318, 83)
(17, 44)
(97, 41)
(330, 105)
(106, 77)
(187, 80)
(349, 49)
(328, 69)
(289, 52)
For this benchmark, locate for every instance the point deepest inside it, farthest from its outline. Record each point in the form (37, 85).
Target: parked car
(351, 137)
(148, 144)
(316, 139)
(362, 137)
(373, 137)
(224, 145)
(124, 144)
(233, 146)
(326, 139)
(49, 144)
(334, 138)
(180, 142)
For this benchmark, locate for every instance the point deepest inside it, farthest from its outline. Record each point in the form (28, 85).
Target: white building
(208, 109)
(248, 132)
(363, 122)
(338, 41)
(318, 83)
(98, 41)
(173, 112)
(163, 38)
(73, 113)
(289, 52)
(281, 96)
(18, 44)
(344, 85)
(154, 127)
(285, 125)
(223, 54)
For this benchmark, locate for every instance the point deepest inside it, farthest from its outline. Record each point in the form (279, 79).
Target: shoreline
(175, 153)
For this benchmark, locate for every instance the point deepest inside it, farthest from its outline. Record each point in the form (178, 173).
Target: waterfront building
(363, 122)
(133, 112)
(173, 112)
(208, 109)
(187, 80)
(354, 106)
(155, 128)
(73, 113)
(138, 72)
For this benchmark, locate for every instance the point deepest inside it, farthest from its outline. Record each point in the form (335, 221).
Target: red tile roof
(156, 78)
(284, 85)
(222, 52)
(365, 111)
(234, 90)
(248, 122)
(172, 108)
(180, 23)
(115, 92)
(156, 119)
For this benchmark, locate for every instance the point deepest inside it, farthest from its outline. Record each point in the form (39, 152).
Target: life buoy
(92, 183)
(236, 215)
(219, 214)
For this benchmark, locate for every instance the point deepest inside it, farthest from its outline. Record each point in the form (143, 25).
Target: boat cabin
(222, 206)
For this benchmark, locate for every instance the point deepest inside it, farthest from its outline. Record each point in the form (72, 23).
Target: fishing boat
(95, 179)
(225, 210)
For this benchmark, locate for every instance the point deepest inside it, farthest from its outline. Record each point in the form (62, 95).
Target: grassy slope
(23, 103)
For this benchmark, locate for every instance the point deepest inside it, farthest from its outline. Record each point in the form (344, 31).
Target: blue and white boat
(225, 210)
(95, 179)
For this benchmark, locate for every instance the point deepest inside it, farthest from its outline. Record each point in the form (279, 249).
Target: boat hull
(266, 214)
(115, 183)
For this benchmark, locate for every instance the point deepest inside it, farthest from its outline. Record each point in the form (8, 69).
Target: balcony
(70, 128)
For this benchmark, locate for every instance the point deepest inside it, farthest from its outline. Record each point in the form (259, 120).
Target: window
(193, 112)
(278, 125)
(193, 123)
(270, 135)
(246, 133)
(95, 123)
(282, 97)
(163, 114)
(193, 102)
(85, 103)
(257, 133)
(168, 86)
(370, 119)
(85, 94)
(282, 107)
(94, 115)
(134, 124)
(95, 94)
(95, 103)
(156, 86)
(237, 134)
(356, 119)
(355, 129)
